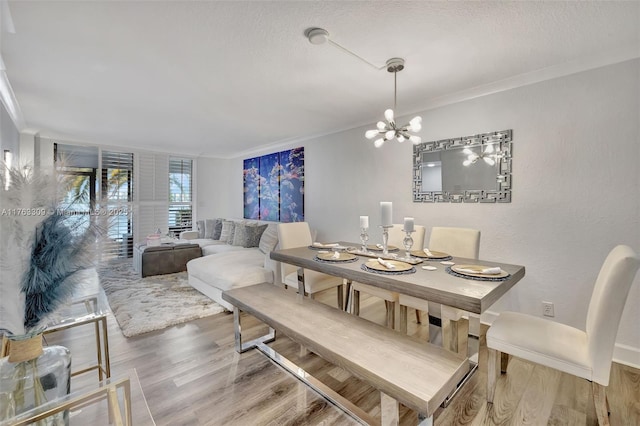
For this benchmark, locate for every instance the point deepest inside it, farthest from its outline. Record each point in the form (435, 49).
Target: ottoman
(165, 258)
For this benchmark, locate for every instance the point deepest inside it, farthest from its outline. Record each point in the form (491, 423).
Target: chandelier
(388, 129)
(487, 155)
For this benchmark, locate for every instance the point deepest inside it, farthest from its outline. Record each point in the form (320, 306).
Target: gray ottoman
(165, 258)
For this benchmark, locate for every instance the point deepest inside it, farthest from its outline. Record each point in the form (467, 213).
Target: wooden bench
(417, 374)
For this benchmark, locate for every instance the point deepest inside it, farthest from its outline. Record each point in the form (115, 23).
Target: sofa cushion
(227, 226)
(209, 228)
(220, 248)
(200, 227)
(248, 235)
(217, 231)
(227, 270)
(269, 239)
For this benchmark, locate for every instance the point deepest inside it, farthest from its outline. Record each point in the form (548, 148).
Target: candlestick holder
(364, 237)
(408, 243)
(385, 239)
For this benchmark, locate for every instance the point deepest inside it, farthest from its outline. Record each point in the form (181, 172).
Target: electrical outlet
(547, 309)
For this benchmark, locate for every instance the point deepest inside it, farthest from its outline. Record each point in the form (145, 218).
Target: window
(116, 201)
(180, 194)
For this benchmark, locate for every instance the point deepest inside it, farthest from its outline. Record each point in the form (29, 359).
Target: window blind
(180, 194)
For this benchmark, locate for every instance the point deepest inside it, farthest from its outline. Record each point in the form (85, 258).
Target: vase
(32, 375)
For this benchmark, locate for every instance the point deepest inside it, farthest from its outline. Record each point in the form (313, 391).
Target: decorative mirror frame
(503, 164)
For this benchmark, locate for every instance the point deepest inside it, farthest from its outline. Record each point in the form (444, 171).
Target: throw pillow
(269, 239)
(232, 232)
(217, 230)
(200, 227)
(225, 232)
(248, 235)
(209, 226)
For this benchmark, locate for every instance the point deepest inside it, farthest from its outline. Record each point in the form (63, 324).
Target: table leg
(300, 282)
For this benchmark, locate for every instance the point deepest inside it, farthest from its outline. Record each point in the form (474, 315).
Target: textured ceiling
(224, 78)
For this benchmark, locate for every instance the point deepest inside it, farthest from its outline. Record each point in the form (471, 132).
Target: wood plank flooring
(191, 375)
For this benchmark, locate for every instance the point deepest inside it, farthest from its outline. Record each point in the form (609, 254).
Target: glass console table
(88, 306)
(117, 401)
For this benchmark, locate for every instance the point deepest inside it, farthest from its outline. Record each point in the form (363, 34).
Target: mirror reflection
(469, 169)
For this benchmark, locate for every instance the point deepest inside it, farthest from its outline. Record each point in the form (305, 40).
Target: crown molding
(9, 99)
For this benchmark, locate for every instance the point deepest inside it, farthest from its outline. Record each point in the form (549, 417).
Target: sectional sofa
(235, 253)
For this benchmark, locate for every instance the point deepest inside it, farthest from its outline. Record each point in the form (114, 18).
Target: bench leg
(403, 319)
(389, 410)
(243, 347)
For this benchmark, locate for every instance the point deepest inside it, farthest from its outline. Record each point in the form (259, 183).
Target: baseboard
(622, 354)
(627, 355)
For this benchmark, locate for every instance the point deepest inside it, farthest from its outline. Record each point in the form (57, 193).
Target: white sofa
(225, 265)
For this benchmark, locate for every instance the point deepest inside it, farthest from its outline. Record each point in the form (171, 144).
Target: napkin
(380, 246)
(427, 252)
(336, 255)
(386, 264)
(488, 271)
(325, 245)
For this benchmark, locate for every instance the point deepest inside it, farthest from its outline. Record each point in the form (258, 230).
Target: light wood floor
(191, 375)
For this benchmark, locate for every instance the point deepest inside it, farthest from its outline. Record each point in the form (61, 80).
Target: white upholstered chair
(458, 242)
(298, 234)
(586, 354)
(396, 236)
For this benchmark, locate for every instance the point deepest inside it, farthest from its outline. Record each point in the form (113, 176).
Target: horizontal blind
(180, 194)
(116, 202)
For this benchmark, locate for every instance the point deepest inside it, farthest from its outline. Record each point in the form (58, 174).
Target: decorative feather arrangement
(41, 248)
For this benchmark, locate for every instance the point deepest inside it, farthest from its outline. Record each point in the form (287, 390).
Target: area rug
(141, 305)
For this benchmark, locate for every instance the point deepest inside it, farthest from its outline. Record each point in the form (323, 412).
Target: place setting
(335, 256)
(431, 255)
(388, 267)
(478, 272)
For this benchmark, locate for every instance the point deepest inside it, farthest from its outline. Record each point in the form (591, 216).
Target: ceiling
(223, 79)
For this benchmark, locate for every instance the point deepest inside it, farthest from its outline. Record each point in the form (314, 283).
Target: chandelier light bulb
(378, 143)
(400, 138)
(370, 134)
(415, 139)
(388, 115)
(466, 163)
(490, 161)
(467, 151)
(390, 134)
(416, 121)
(381, 125)
(488, 149)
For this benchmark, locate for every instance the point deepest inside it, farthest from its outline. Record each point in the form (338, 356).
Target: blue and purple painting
(292, 185)
(270, 187)
(274, 186)
(251, 186)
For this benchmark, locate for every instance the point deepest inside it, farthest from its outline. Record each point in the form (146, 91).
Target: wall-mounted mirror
(471, 169)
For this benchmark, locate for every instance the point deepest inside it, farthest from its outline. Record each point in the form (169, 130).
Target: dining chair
(458, 242)
(586, 354)
(396, 237)
(298, 234)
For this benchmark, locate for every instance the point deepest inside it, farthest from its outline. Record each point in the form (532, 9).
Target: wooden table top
(436, 286)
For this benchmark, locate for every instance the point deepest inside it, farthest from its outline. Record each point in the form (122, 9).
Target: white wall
(576, 187)
(9, 135)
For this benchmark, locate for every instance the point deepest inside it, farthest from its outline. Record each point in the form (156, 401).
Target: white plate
(429, 268)
(448, 263)
(323, 251)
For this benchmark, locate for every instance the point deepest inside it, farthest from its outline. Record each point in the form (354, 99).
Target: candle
(408, 224)
(364, 221)
(387, 219)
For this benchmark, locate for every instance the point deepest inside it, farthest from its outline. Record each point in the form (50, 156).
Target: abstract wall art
(274, 186)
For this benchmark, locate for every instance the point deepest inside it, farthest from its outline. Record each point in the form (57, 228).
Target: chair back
(606, 306)
(396, 236)
(460, 242)
(290, 235)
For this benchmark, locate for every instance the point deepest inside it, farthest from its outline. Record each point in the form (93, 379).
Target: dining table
(434, 280)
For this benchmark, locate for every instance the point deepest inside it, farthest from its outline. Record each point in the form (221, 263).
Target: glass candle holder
(385, 239)
(408, 243)
(364, 237)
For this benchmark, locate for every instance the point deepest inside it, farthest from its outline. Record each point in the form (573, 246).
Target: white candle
(387, 216)
(364, 221)
(408, 224)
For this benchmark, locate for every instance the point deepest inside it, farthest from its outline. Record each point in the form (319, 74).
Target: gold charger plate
(343, 257)
(436, 254)
(456, 268)
(373, 247)
(399, 266)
